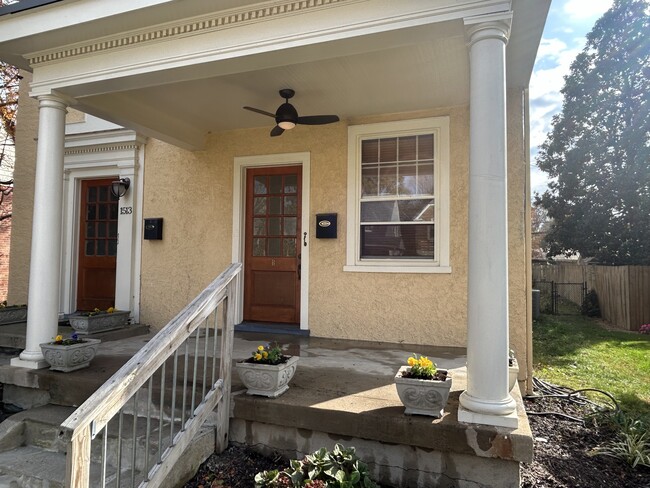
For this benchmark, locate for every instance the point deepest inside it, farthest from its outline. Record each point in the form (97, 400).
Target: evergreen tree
(598, 152)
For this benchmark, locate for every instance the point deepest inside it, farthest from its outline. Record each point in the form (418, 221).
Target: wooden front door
(272, 244)
(97, 245)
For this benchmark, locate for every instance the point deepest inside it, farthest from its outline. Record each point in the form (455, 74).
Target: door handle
(304, 239)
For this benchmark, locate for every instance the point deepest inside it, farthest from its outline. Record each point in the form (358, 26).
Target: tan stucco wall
(23, 203)
(411, 308)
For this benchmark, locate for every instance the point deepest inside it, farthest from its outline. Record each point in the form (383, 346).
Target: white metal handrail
(118, 400)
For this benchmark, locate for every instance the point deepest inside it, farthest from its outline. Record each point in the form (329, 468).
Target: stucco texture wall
(23, 200)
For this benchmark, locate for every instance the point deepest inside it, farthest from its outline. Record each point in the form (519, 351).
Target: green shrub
(632, 442)
(340, 468)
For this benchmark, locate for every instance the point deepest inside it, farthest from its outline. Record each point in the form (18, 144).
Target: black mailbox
(153, 228)
(326, 226)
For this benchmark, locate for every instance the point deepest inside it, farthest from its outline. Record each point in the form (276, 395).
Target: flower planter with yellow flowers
(87, 323)
(422, 388)
(267, 372)
(70, 354)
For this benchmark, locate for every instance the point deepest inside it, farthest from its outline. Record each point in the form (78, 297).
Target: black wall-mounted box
(326, 226)
(153, 228)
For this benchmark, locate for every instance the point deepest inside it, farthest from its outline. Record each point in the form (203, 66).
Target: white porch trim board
(42, 320)
(241, 163)
(487, 399)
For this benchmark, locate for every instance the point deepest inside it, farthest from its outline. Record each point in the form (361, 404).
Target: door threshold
(271, 328)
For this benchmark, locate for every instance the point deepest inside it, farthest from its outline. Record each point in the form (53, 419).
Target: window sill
(397, 269)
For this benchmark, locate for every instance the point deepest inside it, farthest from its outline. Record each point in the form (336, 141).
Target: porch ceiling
(369, 66)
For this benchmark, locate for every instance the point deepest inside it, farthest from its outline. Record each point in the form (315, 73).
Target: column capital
(493, 26)
(52, 101)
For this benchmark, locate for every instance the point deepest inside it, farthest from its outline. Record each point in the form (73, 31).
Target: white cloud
(586, 9)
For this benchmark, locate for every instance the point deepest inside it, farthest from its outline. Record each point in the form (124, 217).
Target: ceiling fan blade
(259, 111)
(317, 119)
(276, 131)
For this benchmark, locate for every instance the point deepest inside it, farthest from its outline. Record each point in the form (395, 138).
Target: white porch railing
(134, 428)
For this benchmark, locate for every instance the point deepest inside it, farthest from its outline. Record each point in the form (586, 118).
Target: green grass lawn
(577, 352)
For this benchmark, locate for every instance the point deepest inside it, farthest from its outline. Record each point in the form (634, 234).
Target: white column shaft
(44, 270)
(487, 343)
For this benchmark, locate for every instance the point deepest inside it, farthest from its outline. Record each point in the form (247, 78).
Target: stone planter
(94, 324)
(422, 397)
(71, 357)
(269, 380)
(12, 315)
(513, 373)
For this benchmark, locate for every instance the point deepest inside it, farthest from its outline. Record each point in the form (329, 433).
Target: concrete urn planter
(513, 373)
(269, 380)
(422, 397)
(70, 357)
(94, 324)
(13, 314)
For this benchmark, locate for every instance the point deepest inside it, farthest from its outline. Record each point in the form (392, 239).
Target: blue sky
(568, 23)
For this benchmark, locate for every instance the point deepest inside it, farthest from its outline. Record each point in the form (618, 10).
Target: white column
(487, 399)
(43, 302)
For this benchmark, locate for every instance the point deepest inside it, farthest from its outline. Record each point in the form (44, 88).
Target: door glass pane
(101, 248)
(274, 246)
(91, 212)
(259, 227)
(112, 229)
(92, 194)
(112, 247)
(258, 246)
(90, 229)
(274, 226)
(275, 204)
(113, 209)
(291, 184)
(289, 226)
(260, 185)
(103, 193)
(290, 205)
(112, 197)
(90, 248)
(101, 229)
(275, 184)
(259, 206)
(289, 248)
(103, 211)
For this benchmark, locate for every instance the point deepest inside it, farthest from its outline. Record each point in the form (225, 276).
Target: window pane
(407, 148)
(290, 205)
(388, 149)
(90, 248)
(407, 179)
(276, 184)
(259, 183)
(398, 211)
(101, 229)
(259, 247)
(274, 226)
(112, 247)
(275, 204)
(291, 184)
(101, 248)
(103, 193)
(91, 212)
(370, 151)
(425, 147)
(388, 180)
(92, 193)
(103, 211)
(425, 179)
(259, 227)
(90, 229)
(289, 226)
(289, 248)
(369, 181)
(274, 247)
(259, 206)
(397, 241)
(112, 229)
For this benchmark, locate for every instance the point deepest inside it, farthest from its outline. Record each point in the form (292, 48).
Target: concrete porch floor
(343, 392)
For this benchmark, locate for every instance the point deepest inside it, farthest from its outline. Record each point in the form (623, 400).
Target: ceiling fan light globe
(287, 124)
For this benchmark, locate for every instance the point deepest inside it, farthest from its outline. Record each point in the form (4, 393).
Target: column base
(510, 420)
(30, 363)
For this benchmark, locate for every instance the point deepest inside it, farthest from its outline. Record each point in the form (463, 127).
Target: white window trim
(439, 126)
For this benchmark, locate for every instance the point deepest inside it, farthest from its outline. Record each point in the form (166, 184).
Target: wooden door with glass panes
(272, 244)
(97, 245)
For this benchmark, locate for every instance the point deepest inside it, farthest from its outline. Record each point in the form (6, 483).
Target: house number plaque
(126, 210)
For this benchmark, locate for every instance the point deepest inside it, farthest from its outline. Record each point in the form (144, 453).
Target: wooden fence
(623, 291)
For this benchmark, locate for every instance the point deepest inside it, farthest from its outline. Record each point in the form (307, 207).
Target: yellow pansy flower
(58, 338)
(258, 356)
(260, 348)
